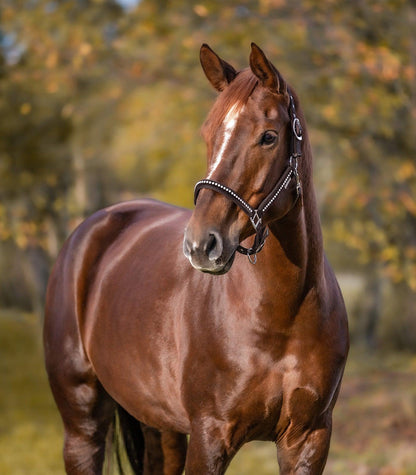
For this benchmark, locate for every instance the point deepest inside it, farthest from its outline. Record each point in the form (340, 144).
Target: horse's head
(252, 170)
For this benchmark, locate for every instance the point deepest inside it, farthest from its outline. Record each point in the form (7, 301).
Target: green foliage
(99, 104)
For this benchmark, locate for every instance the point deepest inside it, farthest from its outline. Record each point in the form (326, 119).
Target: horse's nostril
(213, 247)
(211, 243)
(198, 250)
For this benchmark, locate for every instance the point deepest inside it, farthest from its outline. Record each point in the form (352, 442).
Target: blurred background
(102, 101)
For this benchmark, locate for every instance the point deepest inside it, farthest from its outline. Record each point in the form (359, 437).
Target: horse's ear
(268, 75)
(218, 71)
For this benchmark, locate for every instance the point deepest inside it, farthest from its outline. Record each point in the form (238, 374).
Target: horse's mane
(237, 93)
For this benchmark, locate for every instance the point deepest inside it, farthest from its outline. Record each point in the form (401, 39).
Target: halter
(256, 215)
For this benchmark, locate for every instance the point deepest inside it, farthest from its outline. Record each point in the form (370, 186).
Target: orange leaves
(330, 112)
(379, 61)
(408, 201)
(201, 10)
(25, 108)
(51, 60)
(405, 171)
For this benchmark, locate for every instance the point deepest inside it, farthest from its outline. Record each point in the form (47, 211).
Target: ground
(374, 421)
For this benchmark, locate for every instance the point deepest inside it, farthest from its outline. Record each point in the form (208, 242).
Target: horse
(198, 331)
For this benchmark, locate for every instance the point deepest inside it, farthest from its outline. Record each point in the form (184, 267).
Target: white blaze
(230, 122)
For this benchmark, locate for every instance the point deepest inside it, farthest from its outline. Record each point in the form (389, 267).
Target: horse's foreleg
(208, 451)
(304, 452)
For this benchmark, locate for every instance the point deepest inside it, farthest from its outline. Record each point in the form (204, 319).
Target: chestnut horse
(211, 346)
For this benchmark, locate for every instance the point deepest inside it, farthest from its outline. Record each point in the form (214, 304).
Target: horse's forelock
(235, 96)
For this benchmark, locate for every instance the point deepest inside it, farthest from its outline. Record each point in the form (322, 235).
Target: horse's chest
(257, 394)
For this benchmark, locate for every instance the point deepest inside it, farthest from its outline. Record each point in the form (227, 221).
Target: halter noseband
(256, 215)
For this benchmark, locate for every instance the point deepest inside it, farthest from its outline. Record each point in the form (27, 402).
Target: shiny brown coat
(223, 350)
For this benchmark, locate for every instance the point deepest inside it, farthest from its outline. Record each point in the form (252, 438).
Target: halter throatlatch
(256, 215)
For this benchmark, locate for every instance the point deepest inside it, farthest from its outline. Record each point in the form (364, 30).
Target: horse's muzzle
(208, 252)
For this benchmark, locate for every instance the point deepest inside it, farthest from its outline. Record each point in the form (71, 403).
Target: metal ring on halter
(252, 258)
(297, 128)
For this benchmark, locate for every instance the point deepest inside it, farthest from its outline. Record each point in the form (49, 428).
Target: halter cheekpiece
(256, 215)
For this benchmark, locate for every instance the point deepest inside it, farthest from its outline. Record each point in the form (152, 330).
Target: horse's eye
(268, 138)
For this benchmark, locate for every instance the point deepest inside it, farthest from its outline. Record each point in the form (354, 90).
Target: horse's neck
(296, 242)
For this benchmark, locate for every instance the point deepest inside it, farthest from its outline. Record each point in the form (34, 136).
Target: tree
(55, 91)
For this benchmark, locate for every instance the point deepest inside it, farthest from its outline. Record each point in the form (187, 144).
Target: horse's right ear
(218, 71)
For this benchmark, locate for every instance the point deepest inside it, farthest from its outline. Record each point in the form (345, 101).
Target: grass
(374, 420)
(30, 430)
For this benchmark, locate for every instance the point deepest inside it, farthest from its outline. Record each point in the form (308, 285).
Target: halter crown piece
(256, 215)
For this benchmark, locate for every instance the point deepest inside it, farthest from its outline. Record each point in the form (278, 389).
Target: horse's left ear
(268, 75)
